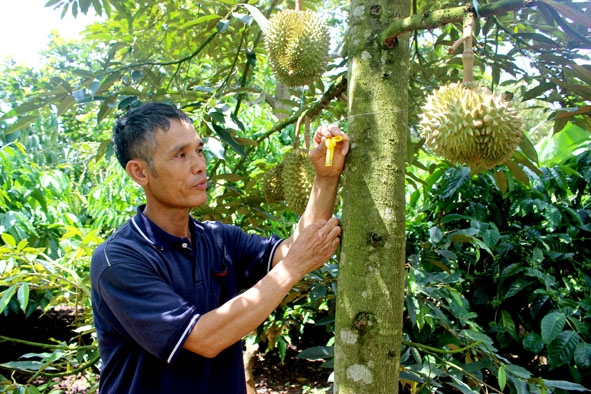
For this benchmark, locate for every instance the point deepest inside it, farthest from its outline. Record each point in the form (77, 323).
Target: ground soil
(272, 375)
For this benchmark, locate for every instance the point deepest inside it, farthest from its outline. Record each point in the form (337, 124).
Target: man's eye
(181, 155)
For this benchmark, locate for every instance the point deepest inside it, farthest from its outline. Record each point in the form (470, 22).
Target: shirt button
(184, 245)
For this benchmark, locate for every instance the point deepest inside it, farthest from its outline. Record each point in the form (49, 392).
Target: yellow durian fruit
(468, 124)
(297, 43)
(297, 178)
(272, 184)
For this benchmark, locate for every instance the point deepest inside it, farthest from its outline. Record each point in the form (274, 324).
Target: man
(167, 289)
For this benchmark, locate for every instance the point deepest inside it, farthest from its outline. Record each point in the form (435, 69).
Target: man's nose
(197, 163)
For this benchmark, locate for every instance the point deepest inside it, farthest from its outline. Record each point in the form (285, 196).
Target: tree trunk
(371, 272)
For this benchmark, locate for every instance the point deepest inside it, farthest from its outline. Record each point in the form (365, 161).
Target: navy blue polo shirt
(149, 289)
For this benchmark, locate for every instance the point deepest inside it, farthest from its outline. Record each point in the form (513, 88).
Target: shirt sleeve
(147, 309)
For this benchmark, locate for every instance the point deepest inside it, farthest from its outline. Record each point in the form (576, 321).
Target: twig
(45, 345)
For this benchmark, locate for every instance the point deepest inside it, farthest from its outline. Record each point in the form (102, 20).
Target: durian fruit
(297, 43)
(468, 124)
(272, 184)
(297, 178)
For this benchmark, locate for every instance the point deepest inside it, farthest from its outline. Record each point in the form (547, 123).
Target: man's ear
(138, 171)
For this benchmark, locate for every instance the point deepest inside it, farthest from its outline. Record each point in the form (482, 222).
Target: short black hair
(134, 133)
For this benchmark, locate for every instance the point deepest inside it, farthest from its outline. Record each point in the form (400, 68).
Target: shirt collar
(157, 236)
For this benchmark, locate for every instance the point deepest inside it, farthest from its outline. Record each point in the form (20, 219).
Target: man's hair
(134, 135)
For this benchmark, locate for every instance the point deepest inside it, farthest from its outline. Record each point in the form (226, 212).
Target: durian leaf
(244, 18)
(227, 138)
(214, 147)
(581, 72)
(538, 91)
(538, 37)
(528, 149)
(227, 177)
(582, 90)
(258, 16)
(564, 385)
(197, 21)
(570, 13)
(520, 158)
(222, 25)
(21, 123)
(570, 112)
(501, 181)
(517, 172)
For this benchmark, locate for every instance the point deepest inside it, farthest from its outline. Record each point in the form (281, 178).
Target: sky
(25, 26)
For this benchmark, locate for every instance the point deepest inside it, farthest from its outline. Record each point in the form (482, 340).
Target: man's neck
(173, 221)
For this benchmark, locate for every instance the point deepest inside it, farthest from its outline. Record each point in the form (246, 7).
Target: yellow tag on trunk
(331, 142)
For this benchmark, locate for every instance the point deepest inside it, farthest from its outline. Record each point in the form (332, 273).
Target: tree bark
(370, 299)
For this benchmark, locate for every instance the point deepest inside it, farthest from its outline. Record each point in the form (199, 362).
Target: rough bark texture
(371, 273)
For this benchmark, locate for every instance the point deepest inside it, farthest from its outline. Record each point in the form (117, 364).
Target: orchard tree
(209, 58)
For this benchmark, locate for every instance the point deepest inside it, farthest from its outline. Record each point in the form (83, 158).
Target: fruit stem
(468, 54)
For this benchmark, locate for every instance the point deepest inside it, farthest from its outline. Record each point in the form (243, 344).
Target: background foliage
(498, 262)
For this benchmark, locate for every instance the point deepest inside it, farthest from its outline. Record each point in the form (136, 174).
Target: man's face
(179, 179)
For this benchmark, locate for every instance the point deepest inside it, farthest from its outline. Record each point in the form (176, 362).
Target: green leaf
(502, 377)
(570, 112)
(518, 371)
(23, 365)
(317, 353)
(197, 21)
(491, 237)
(558, 147)
(538, 37)
(459, 177)
(227, 138)
(244, 18)
(501, 181)
(528, 148)
(453, 217)
(435, 235)
(478, 336)
(8, 239)
(214, 147)
(258, 16)
(564, 385)
(6, 296)
(538, 91)
(506, 321)
(222, 25)
(21, 123)
(553, 216)
(552, 325)
(562, 349)
(532, 342)
(583, 355)
(517, 172)
(517, 286)
(570, 13)
(22, 296)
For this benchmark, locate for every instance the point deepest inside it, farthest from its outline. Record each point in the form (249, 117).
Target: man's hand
(315, 245)
(318, 154)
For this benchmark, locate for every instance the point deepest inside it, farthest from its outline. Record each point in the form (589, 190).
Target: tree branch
(431, 20)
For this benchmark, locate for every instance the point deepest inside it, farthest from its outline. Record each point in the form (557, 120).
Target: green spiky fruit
(272, 184)
(468, 124)
(297, 179)
(297, 43)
